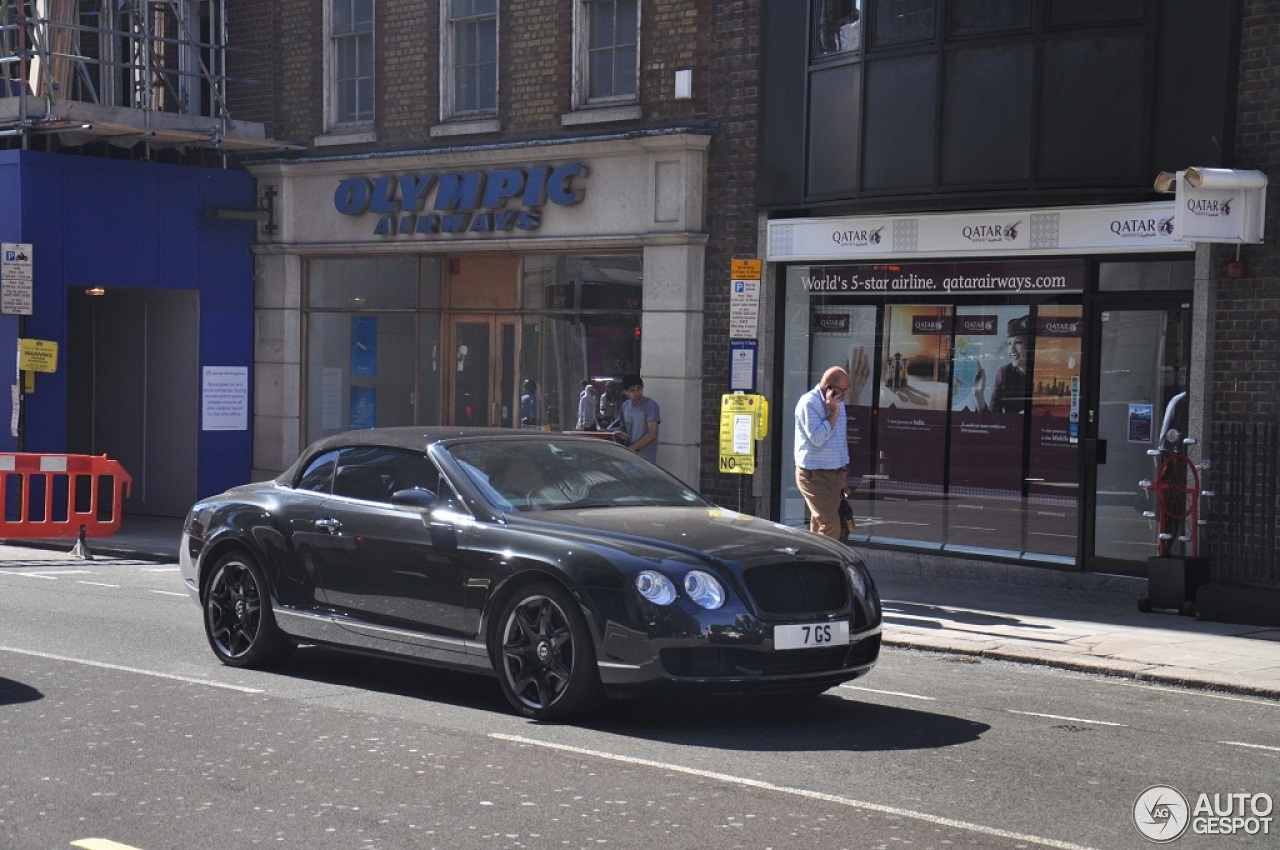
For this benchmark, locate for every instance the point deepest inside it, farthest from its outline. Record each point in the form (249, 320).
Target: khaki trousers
(821, 490)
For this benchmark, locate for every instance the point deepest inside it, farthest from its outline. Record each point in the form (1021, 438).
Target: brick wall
(1246, 323)
(734, 53)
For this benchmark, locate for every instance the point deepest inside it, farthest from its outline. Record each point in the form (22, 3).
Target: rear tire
(544, 655)
(238, 621)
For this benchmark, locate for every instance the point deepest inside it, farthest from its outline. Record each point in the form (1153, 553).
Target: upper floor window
(470, 57)
(837, 27)
(350, 62)
(608, 51)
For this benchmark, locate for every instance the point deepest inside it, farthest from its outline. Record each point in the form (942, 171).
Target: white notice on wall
(226, 398)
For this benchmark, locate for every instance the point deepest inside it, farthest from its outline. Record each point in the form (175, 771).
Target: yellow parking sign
(743, 420)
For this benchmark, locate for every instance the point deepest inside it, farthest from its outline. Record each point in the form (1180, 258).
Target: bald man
(822, 450)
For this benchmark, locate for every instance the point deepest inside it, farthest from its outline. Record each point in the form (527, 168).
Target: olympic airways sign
(500, 200)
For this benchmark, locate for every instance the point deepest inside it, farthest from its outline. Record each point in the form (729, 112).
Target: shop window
(369, 284)
(470, 58)
(903, 21)
(585, 326)
(393, 341)
(608, 51)
(962, 412)
(372, 341)
(837, 27)
(349, 63)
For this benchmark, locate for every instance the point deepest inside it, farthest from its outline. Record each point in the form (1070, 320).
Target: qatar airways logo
(923, 325)
(1058, 327)
(1142, 228)
(979, 325)
(857, 238)
(1210, 207)
(991, 232)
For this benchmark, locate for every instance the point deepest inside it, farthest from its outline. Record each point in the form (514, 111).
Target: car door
(393, 576)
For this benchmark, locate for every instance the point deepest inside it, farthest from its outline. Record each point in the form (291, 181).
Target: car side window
(318, 475)
(374, 473)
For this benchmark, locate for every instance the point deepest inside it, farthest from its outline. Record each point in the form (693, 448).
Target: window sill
(602, 115)
(354, 138)
(466, 128)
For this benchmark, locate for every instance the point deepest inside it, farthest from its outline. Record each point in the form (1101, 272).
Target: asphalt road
(118, 729)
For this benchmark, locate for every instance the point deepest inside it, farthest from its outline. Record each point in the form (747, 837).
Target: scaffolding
(128, 72)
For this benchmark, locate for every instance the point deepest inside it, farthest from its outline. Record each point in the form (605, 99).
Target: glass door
(1142, 367)
(482, 392)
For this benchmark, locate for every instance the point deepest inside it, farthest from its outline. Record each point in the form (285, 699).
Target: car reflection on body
(568, 566)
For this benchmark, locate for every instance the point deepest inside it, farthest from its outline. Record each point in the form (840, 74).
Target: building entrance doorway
(1141, 363)
(133, 390)
(483, 381)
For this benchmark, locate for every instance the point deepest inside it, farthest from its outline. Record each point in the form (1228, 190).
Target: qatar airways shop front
(1010, 370)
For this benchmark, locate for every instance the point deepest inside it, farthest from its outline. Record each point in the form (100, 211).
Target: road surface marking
(1061, 717)
(189, 679)
(101, 844)
(1250, 746)
(55, 574)
(799, 792)
(97, 583)
(889, 693)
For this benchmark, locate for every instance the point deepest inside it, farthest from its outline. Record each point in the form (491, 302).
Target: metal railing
(1242, 525)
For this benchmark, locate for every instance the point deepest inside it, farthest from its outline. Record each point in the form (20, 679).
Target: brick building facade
(694, 90)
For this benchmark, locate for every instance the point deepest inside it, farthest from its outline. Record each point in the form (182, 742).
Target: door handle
(329, 525)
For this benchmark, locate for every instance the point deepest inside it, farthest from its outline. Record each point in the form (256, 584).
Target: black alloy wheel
(237, 615)
(545, 657)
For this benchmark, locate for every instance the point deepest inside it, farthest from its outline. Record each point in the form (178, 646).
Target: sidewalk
(1075, 621)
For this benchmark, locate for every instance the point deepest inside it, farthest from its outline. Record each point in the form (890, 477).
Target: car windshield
(554, 473)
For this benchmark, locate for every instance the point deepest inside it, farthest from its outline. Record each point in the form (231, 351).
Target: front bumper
(723, 659)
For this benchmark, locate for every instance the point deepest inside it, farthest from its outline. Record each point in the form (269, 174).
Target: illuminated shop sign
(1106, 229)
(499, 200)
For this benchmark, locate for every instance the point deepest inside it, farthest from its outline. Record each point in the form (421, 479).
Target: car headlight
(858, 579)
(704, 589)
(656, 587)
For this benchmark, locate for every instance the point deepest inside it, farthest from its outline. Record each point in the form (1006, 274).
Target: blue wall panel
(136, 225)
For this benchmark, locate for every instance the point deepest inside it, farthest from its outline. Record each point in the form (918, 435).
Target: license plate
(811, 635)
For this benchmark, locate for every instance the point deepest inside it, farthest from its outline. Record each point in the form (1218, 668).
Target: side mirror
(416, 498)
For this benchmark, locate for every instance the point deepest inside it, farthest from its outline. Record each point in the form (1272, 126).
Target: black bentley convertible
(571, 567)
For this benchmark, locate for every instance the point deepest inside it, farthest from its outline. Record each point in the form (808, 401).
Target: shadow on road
(12, 693)
(836, 720)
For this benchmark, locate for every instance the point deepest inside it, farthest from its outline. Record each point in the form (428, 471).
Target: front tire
(238, 621)
(544, 655)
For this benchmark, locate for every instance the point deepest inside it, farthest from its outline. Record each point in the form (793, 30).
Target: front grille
(798, 589)
(722, 662)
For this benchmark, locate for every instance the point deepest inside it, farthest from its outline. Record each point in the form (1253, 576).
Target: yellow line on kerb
(101, 844)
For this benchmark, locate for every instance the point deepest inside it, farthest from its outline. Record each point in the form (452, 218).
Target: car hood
(696, 532)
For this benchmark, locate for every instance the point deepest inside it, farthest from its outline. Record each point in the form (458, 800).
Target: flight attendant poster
(1053, 474)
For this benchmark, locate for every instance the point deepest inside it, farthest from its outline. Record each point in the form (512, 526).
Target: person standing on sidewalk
(640, 418)
(822, 450)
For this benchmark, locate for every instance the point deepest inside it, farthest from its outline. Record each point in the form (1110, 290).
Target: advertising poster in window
(985, 484)
(364, 345)
(914, 392)
(845, 336)
(363, 408)
(1053, 472)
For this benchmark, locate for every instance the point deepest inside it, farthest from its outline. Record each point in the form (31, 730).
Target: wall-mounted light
(96, 290)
